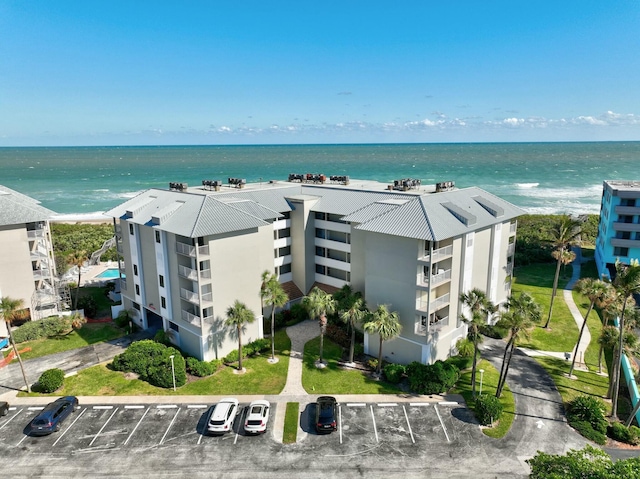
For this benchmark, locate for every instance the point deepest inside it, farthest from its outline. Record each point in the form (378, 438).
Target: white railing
(191, 318)
(511, 249)
(441, 277)
(439, 302)
(438, 254)
(189, 295)
(207, 297)
(513, 227)
(186, 249)
(438, 323)
(188, 273)
(205, 273)
(422, 306)
(203, 250)
(422, 280)
(35, 234)
(420, 329)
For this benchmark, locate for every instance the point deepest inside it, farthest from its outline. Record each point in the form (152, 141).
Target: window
(335, 218)
(618, 251)
(284, 251)
(174, 327)
(285, 268)
(130, 228)
(320, 233)
(135, 270)
(157, 236)
(339, 255)
(136, 306)
(138, 289)
(320, 251)
(163, 302)
(320, 269)
(319, 216)
(161, 280)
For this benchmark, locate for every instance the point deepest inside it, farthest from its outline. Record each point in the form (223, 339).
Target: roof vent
(137, 207)
(445, 186)
(461, 215)
(177, 186)
(238, 182)
(405, 184)
(212, 184)
(495, 210)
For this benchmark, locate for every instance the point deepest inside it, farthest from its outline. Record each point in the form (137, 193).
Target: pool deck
(89, 276)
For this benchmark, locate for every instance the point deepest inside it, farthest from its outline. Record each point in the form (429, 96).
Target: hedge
(51, 380)
(588, 409)
(436, 378)
(254, 347)
(152, 362)
(622, 433)
(201, 369)
(488, 409)
(43, 328)
(394, 372)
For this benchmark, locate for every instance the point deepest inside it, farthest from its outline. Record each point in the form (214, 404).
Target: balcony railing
(208, 297)
(438, 323)
(191, 318)
(441, 277)
(205, 273)
(513, 227)
(511, 249)
(440, 302)
(203, 250)
(186, 249)
(36, 234)
(188, 273)
(438, 254)
(420, 329)
(189, 296)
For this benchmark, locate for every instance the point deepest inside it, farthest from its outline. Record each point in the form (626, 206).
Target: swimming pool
(111, 273)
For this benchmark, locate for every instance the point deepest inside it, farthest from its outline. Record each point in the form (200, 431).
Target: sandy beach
(79, 218)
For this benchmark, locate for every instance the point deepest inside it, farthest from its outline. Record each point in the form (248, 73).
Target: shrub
(436, 378)
(488, 409)
(394, 372)
(465, 347)
(492, 331)
(51, 380)
(461, 362)
(298, 314)
(588, 409)
(162, 337)
(152, 362)
(584, 428)
(43, 328)
(338, 335)
(261, 345)
(372, 364)
(232, 357)
(122, 321)
(89, 305)
(358, 350)
(201, 368)
(622, 433)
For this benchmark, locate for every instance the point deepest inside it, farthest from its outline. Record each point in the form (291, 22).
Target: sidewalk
(577, 316)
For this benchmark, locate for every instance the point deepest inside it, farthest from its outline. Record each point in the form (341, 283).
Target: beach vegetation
(69, 238)
(10, 309)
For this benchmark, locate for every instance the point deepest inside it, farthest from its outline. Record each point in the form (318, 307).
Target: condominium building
(27, 267)
(190, 252)
(619, 226)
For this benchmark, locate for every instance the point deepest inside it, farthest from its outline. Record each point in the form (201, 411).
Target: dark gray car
(51, 417)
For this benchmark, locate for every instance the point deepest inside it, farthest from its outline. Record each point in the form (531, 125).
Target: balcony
(203, 250)
(442, 277)
(40, 274)
(513, 227)
(191, 318)
(627, 210)
(188, 273)
(511, 249)
(619, 226)
(438, 254)
(186, 249)
(625, 243)
(440, 302)
(207, 297)
(205, 274)
(36, 234)
(420, 329)
(189, 296)
(438, 323)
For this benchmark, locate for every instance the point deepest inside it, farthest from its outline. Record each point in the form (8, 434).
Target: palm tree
(522, 314)
(273, 295)
(481, 307)
(627, 283)
(77, 259)
(596, 290)
(9, 308)
(352, 312)
(608, 339)
(564, 235)
(238, 315)
(318, 304)
(386, 325)
(264, 277)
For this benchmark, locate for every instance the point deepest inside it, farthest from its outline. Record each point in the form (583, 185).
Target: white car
(257, 417)
(222, 417)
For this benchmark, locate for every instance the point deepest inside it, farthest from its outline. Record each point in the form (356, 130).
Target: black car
(326, 414)
(4, 408)
(51, 417)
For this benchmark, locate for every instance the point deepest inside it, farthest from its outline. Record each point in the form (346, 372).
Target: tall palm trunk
(600, 354)
(506, 358)
(323, 328)
(506, 370)
(616, 387)
(584, 324)
(473, 366)
(379, 368)
(15, 349)
(555, 288)
(239, 349)
(353, 340)
(273, 332)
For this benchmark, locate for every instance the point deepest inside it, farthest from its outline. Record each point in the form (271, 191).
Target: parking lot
(360, 426)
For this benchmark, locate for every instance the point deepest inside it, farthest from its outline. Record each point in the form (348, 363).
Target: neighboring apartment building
(189, 253)
(619, 226)
(27, 267)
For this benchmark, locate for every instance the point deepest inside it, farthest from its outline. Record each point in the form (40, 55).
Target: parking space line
(340, 422)
(102, 428)
(442, 423)
(375, 429)
(35, 408)
(448, 403)
(387, 404)
(166, 406)
(11, 418)
(23, 438)
(134, 407)
(420, 404)
(170, 424)
(197, 406)
(65, 431)
(134, 429)
(103, 407)
(408, 425)
(356, 404)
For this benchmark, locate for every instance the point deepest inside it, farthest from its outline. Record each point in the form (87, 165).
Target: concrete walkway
(299, 334)
(577, 316)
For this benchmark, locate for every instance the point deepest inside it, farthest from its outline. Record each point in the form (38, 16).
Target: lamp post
(173, 373)
(481, 374)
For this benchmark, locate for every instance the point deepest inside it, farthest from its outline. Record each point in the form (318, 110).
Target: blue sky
(218, 72)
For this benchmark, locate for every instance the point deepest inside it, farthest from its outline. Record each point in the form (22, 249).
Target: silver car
(222, 417)
(257, 417)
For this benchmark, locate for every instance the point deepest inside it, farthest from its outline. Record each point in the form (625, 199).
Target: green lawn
(88, 334)
(290, 432)
(261, 378)
(334, 379)
(489, 385)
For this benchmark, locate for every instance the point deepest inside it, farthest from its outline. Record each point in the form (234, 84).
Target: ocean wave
(588, 192)
(527, 185)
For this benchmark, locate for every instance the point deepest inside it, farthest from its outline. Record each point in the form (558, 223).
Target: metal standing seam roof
(344, 202)
(272, 198)
(369, 212)
(251, 207)
(428, 218)
(16, 208)
(198, 215)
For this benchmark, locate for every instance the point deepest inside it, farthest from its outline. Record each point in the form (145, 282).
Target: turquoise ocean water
(539, 177)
